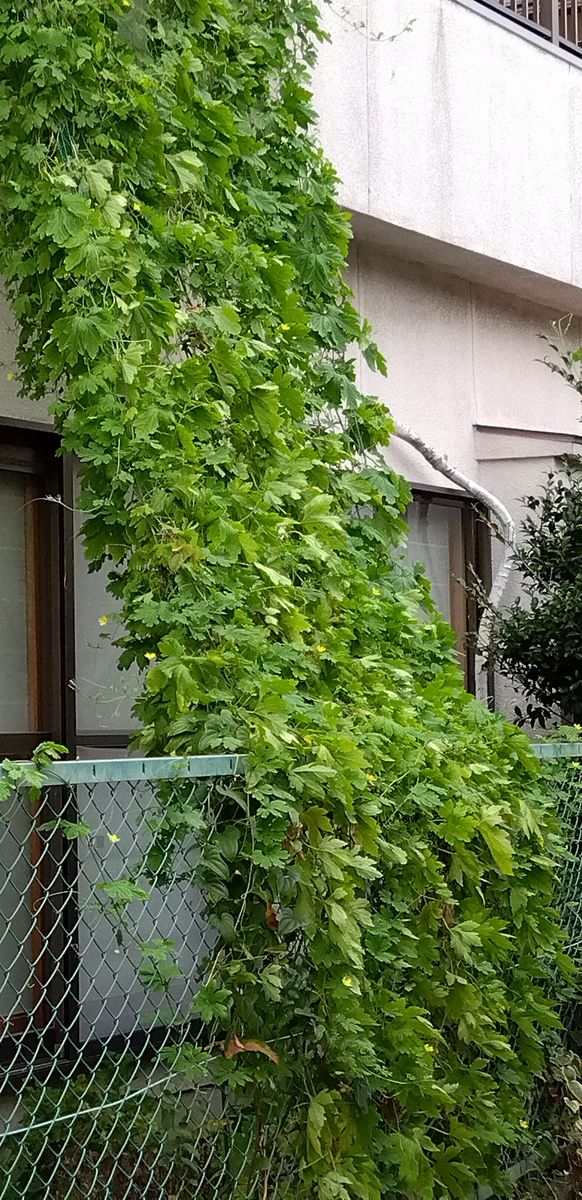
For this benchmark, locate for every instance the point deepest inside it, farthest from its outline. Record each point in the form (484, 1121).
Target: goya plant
(174, 255)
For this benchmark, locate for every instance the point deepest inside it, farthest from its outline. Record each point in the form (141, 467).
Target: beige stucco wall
(463, 367)
(459, 130)
(13, 405)
(459, 150)
(464, 371)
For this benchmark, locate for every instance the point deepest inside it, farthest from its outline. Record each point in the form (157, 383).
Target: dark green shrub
(537, 642)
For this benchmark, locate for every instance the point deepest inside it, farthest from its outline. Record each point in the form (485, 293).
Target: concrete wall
(464, 372)
(459, 130)
(463, 369)
(13, 405)
(458, 144)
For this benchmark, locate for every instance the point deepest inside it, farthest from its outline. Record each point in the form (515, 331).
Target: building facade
(457, 135)
(456, 129)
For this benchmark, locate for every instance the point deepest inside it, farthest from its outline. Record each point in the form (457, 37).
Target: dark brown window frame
(33, 450)
(27, 452)
(476, 562)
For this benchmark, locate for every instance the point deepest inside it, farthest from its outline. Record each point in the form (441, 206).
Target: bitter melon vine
(174, 253)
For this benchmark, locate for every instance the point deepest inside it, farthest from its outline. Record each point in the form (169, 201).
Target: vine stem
(509, 537)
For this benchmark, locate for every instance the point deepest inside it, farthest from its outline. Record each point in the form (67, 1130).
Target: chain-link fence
(105, 1094)
(562, 768)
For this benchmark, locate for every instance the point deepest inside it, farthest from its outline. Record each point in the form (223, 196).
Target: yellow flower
(372, 778)
(114, 837)
(103, 620)
(150, 656)
(284, 327)
(10, 375)
(347, 981)
(524, 1124)
(136, 206)
(321, 648)
(376, 592)
(429, 1046)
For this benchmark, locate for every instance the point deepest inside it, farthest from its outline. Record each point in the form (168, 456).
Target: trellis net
(106, 1093)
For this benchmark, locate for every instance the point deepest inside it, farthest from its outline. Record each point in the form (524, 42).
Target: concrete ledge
(411, 245)
(494, 442)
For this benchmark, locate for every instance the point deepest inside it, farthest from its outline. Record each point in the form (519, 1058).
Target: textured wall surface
(458, 129)
(11, 404)
(464, 368)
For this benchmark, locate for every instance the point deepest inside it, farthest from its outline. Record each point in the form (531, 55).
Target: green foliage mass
(538, 644)
(174, 255)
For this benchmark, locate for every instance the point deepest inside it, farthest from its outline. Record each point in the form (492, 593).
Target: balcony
(558, 21)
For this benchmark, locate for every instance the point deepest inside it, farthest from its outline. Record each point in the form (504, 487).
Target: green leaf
(69, 829)
(414, 1167)
(274, 577)
(84, 333)
(123, 892)
(316, 1119)
(190, 1061)
(265, 408)
(272, 982)
(188, 170)
(227, 842)
(131, 361)
(98, 178)
(465, 936)
(499, 844)
(225, 318)
(114, 208)
(212, 1002)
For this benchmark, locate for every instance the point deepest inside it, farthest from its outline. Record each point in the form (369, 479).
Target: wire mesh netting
(562, 768)
(106, 884)
(104, 938)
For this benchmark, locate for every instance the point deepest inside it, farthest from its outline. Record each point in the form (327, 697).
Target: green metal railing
(101, 1095)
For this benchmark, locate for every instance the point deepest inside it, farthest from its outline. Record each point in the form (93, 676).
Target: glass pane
(436, 539)
(105, 695)
(17, 961)
(14, 680)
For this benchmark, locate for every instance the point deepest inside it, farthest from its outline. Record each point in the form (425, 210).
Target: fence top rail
(133, 770)
(200, 766)
(557, 749)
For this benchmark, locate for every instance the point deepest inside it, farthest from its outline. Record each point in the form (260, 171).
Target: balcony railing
(558, 21)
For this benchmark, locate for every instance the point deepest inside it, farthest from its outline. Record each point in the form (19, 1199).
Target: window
(449, 535)
(58, 681)
(29, 608)
(103, 694)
